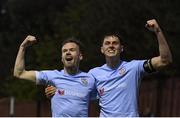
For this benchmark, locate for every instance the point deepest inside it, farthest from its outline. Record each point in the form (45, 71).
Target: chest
(73, 85)
(120, 78)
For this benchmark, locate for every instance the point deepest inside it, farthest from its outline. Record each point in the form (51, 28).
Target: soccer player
(71, 98)
(118, 81)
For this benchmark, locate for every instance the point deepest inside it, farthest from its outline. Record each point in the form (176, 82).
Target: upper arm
(28, 75)
(158, 63)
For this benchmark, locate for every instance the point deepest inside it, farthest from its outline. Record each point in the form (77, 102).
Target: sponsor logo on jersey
(101, 91)
(84, 81)
(61, 92)
(71, 93)
(122, 71)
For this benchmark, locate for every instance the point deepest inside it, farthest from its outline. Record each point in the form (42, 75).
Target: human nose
(68, 52)
(111, 45)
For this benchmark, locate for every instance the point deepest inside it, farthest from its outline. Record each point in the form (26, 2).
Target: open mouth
(69, 58)
(111, 51)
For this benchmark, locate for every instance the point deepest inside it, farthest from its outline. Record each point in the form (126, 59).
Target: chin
(112, 55)
(68, 65)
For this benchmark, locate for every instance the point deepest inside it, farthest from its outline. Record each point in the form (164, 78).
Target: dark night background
(51, 21)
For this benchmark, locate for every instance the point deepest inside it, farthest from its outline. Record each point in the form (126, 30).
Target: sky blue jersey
(118, 88)
(71, 98)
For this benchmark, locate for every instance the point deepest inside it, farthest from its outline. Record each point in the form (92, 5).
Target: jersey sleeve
(94, 92)
(42, 77)
(140, 64)
(140, 68)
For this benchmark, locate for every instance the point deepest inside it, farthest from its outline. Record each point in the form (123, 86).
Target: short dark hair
(74, 40)
(114, 34)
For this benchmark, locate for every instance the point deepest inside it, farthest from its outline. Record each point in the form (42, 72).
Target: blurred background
(89, 20)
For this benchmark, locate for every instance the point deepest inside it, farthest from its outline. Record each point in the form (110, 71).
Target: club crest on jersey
(61, 92)
(84, 81)
(101, 91)
(122, 71)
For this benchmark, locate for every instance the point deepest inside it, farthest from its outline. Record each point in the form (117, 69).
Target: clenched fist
(152, 25)
(29, 40)
(50, 91)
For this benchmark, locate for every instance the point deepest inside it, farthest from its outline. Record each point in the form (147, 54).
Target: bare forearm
(19, 67)
(165, 57)
(164, 51)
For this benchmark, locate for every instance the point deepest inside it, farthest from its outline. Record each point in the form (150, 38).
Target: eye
(72, 49)
(115, 43)
(64, 50)
(106, 43)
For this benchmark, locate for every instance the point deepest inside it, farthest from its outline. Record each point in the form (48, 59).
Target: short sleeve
(141, 69)
(41, 77)
(93, 94)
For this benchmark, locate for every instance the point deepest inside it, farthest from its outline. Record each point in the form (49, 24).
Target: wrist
(22, 46)
(158, 30)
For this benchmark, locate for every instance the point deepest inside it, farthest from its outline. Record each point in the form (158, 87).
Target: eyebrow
(110, 41)
(69, 48)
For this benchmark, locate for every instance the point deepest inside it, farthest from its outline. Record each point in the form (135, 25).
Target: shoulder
(86, 77)
(134, 63)
(49, 72)
(85, 74)
(97, 69)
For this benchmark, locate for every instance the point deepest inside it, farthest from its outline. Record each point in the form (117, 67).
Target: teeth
(111, 51)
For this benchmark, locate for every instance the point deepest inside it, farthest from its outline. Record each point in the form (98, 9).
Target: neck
(112, 62)
(71, 70)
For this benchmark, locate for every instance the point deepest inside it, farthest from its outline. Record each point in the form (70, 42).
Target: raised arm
(165, 58)
(19, 68)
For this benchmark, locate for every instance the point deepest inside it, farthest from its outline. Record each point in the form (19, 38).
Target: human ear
(80, 56)
(102, 50)
(122, 48)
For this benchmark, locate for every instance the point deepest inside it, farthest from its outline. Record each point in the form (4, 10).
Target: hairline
(113, 36)
(75, 41)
